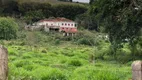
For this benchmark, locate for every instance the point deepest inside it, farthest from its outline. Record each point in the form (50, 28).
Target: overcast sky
(84, 1)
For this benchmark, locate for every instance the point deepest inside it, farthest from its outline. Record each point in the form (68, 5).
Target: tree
(4, 2)
(121, 19)
(68, 10)
(11, 8)
(8, 28)
(33, 16)
(87, 21)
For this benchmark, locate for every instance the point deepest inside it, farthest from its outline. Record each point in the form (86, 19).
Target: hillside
(49, 1)
(104, 45)
(43, 56)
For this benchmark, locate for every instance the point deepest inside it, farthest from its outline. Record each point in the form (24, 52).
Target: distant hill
(47, 1)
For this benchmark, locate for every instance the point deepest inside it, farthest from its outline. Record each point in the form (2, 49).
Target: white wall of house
(67, 24)
(41, 23)
(60, 24)
(81, 1)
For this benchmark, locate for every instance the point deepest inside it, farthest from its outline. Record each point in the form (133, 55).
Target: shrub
(68, 53)
(57, 41)
(33, 16)
(26, 56)
(33, 6)
(45, 73)
(8, 28)
(85, 41)
(2, 42)
(21, 63)
(92, 73)
(44, 51)
(75, 63)
(65, 10)
(124, 56)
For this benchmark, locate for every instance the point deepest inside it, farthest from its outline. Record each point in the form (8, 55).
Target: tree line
(122, 20)
(34, 11)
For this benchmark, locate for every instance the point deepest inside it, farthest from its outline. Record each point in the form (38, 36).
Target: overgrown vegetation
(8, 28)
(122, 23)
(36, 57)
(104, 54)
(34, 11)
(31, 64)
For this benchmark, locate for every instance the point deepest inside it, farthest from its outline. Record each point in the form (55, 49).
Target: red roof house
(61, 24)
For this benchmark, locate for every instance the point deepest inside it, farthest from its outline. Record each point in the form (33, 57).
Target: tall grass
(42, 59)
(61, 64)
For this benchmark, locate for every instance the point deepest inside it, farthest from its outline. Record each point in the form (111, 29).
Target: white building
(81, 1)
(59, 24)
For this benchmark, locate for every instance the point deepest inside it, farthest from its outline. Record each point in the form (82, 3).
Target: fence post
(3, 63)
(137, 70)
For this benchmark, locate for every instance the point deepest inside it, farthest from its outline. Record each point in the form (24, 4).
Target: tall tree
(3, 2)
(121, 19)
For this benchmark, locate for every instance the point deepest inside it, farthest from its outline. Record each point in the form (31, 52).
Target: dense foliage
(87, 21)
(36, 51)
(85, 56)
(34, 11)
(121, 19)
(8, 28)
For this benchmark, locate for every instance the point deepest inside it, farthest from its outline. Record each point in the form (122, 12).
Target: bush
(57, 41)
(91, 38)
(68, 11)
(46, 73)
(75, 63)
(8, 28)
(92, 73)
(86, 41)
(44, 51)
(33, 16)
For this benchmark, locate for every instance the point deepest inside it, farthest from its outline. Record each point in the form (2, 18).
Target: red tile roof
(57, 20)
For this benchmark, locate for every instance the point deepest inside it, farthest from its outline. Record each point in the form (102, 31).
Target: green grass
(35, 56)
(62, 63)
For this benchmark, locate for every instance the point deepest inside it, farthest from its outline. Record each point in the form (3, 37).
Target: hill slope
(47, 1)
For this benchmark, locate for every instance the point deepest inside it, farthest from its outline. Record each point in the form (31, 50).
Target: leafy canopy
(8, 28)
(122, 19)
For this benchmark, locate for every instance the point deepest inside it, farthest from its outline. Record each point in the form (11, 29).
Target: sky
(83, 1)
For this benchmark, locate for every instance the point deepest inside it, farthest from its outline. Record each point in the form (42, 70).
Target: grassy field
(61, 63)
(35, 56)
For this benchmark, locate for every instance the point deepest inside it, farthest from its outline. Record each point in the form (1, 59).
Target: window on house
(68, 24)
(65, 24)
(62, 23)
(75, 25)
(71, 24)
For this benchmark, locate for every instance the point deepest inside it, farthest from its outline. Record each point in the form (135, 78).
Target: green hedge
(38, 11)
(8, 28)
